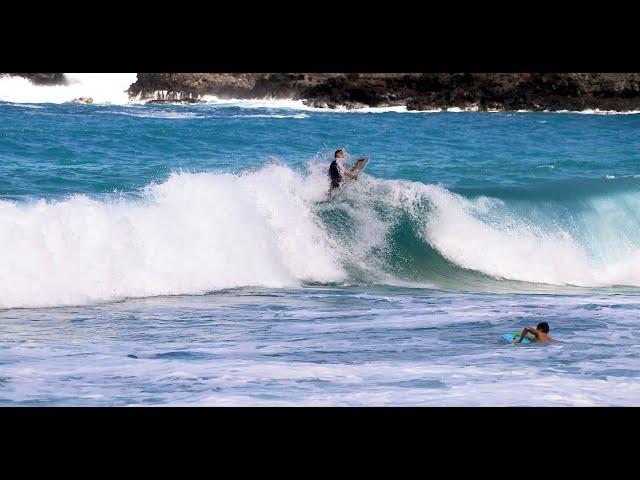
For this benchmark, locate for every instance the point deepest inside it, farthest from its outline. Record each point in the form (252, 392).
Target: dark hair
(544, 326)
(335, 155)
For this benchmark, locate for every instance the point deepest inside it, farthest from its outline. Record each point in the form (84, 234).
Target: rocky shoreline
(416, 91)
(422, 91)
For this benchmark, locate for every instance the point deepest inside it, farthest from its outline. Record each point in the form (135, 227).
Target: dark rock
(83, 100)
(172, 96)
(418, 91)
(225, 85)
(169, 99)
(422, 103)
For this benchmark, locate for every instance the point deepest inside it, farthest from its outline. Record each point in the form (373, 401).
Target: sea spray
(189, 235)
(102, 88)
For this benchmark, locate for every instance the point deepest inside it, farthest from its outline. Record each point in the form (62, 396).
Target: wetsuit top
(334, 174)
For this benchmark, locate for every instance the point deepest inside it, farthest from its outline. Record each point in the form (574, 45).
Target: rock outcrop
(418, 91)
(83, 100)
(155, 86)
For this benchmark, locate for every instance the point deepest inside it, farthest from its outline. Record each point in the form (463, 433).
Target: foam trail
(273, 103)
(103, 88)
(291, 104)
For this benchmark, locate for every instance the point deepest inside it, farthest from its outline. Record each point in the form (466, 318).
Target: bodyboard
(508, 337)
(355, 169)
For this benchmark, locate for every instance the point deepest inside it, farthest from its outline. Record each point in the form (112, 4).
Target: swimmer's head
(543, 327)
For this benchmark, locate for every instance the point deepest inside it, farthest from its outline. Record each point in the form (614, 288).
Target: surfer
(337, 169)
(541, 332)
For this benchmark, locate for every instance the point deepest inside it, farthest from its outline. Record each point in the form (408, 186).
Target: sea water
(187, 255)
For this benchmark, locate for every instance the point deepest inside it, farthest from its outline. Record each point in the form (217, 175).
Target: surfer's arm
(344, 170)
(526, 330)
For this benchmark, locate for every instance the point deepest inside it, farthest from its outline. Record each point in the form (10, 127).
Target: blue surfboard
(508, 337)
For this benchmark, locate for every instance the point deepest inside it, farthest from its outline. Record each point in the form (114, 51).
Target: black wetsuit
(334, 174)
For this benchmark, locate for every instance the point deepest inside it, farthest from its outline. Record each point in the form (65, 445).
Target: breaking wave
(272, 227)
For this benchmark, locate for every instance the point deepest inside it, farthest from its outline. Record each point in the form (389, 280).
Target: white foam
(26, 105)
(394, 109)
(597, 111)
(513, 250)
(291, 104)
(275, 115)
(594, 111)
(170, 115)
(481, 235)
(192, 234)
(266, 102)
(103, 88)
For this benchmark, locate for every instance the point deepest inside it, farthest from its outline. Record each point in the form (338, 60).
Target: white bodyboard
(355, 169)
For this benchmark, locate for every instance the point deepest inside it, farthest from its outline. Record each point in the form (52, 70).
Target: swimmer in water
(541, 333)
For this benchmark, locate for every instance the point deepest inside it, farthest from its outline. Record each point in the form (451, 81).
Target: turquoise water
(188, 255)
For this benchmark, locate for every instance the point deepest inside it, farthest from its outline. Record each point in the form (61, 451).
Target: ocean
(187, 255)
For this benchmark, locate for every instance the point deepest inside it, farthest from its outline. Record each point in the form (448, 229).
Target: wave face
(545, 234)
(271, 227)
(103, 88)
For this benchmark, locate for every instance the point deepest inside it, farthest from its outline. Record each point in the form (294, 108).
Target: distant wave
(274, 115)
(290, 104)
(591, 111)
(26, 105)
(163, 114)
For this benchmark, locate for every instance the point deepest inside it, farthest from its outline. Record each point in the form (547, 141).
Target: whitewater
(272, 227)
(187, 255)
